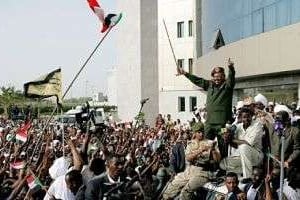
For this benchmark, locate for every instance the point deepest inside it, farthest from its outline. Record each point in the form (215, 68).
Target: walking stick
(171, 46)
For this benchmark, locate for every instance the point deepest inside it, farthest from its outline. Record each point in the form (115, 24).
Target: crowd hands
(171, 160)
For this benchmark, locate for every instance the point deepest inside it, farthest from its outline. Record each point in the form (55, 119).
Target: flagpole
(63, 133)
(70, 85)
(85, 63)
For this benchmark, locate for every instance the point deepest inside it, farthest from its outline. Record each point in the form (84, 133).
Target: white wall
(128, 59)
(112, 87)
(137, 59)
(170, 103)
(170, 85)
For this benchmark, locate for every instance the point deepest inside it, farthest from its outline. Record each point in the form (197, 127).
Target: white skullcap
(59, 167)
(279, 108)
(239, 104)
(262, 99)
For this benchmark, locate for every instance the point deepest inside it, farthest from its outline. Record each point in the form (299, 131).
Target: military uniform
(193, 177)
(218, 104)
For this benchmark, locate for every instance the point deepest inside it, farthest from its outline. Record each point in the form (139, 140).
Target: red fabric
(23, 130)
(30, 179)
(104, 28)
(93, 3)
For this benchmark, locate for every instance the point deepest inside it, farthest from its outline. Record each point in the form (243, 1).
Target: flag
(22, 132)
(45, 86)
(17, 165)
(107, 21)
(33, 182)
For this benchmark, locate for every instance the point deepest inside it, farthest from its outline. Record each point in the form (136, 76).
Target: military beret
(217, 70)
(198, 127)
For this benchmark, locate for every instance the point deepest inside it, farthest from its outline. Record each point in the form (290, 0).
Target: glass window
(244, 18)
(283, 13)
(180, 63)
(295, 11)
(181, 104)
(190, 65)
(257, 22)
(247, 26)
(270, 18)
(190, 28)
(180, 29)
(193, 103)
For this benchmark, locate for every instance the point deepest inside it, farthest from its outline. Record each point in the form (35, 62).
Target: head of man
(198, 130)
(257, 176)
(73, 180)
(261, 102)
(168, 117)
(218, 76)
(246, 116)
(115, 164)
(231, 182)
(283, 117)
(97, 165)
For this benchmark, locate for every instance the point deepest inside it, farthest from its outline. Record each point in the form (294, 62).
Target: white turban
(239, 104)
(279, 108)
(59, 167)
(262, 99)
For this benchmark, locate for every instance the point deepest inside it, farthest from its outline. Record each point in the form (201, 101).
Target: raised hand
(230, 63)
(180, 71)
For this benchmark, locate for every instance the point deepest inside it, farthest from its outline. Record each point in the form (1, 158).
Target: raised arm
(230, 81)
(200, 82)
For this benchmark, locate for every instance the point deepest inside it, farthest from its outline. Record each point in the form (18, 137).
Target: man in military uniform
(198, 153)
(219, 97)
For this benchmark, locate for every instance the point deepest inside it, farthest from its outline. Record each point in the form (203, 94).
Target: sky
(37, 37)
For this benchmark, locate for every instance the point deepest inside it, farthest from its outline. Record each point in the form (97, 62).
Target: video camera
(90, 118)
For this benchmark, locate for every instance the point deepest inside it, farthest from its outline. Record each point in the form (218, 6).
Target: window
(180, 29)
(193, 103)
(180, 63)
(190, 65)
(269, 20)
(257, 22)
(181, 104)
(190, 28)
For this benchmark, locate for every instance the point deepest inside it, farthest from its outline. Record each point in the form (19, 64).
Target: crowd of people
(168, 161)
(247, 151)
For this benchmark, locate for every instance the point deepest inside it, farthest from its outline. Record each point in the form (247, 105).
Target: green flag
(46, 86)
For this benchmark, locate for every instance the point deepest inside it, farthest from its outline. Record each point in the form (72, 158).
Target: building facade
(112, 91)
(261, 37)
(177, 95)
(146, 67)
(137, 59)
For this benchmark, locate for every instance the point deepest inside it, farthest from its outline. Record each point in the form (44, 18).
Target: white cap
(279, 108)
(262, 99)
(239, 104)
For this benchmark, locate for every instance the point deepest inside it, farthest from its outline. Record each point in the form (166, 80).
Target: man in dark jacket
(99, 185)
(255, 190)
(291, 143)
(219, 97)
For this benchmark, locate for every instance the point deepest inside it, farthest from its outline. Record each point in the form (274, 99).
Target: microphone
(144, 100)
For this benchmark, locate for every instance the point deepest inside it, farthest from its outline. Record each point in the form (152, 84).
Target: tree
(10, 96)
